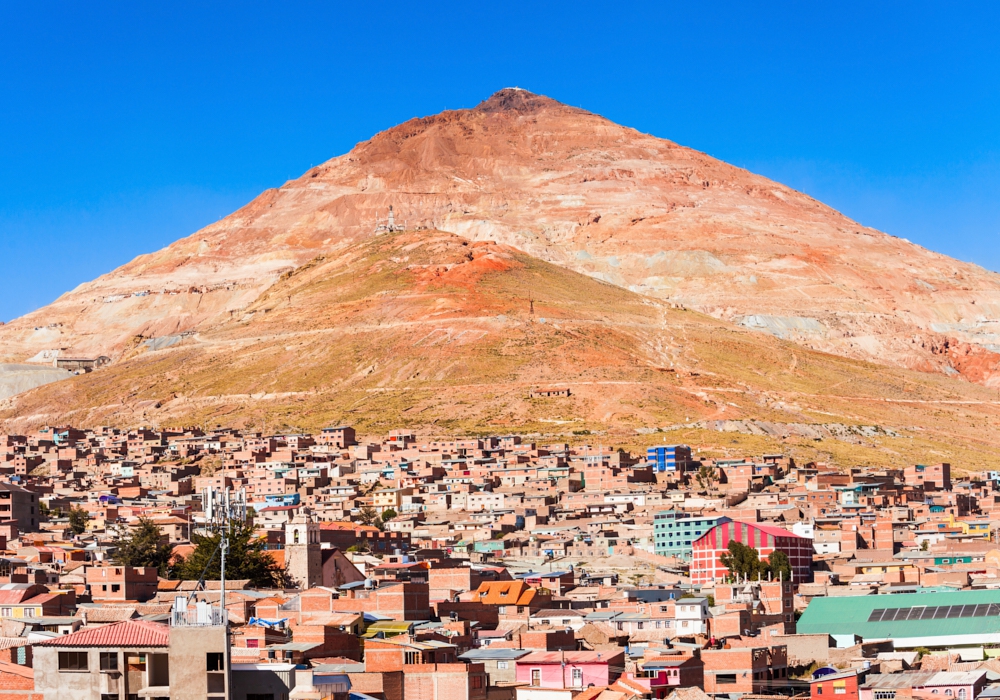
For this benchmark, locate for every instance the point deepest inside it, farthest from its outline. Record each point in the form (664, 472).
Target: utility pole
(222, 508)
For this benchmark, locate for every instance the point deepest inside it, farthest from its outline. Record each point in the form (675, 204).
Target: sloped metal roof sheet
(128, 633)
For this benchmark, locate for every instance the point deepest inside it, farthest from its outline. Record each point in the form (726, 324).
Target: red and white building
(707, 550)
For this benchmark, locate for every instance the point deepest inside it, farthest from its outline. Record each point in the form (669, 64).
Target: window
(501, 609)
(885, 695)
(6, 612)
(109, 661)
(578, 677)
(73, 661)
(819, 689)
(502, 665)
(115, 587)
(215, 661)
(961, 694)
(411, 657)
(29, 612)
(948, 692)
(725, 678)
(253, 644)
(840, 690)
(536, 677)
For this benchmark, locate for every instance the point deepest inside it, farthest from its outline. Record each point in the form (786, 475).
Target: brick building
(837, 686)
(121, 583)
(21, 505)
(707, 550)
(745, 669)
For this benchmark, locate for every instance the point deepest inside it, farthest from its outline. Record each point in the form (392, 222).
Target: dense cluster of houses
(491, 568)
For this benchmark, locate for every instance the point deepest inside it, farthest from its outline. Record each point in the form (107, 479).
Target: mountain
(573, 188)
(623, 213)
(431, 330)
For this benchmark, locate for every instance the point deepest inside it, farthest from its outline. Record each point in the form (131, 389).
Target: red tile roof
(128, 633)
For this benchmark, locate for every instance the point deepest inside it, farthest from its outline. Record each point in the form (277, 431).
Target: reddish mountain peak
(571, 187)
(519, 100)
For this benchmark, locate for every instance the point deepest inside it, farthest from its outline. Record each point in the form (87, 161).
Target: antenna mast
(222, 508)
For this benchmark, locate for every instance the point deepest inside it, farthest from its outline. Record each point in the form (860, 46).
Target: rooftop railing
(199, 616)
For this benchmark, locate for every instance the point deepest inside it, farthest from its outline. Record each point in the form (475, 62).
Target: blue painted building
(668, 458)
(283, 499)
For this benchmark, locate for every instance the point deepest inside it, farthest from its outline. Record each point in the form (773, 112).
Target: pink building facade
(570, 669)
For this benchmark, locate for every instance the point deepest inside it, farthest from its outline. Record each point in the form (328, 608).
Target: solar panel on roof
(933, 612)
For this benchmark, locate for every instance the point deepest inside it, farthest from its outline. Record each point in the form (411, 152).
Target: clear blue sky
(128, 125)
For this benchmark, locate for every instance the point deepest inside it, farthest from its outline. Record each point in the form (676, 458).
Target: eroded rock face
(576, 189)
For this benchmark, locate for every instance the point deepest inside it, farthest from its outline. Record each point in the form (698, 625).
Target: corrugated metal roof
(487, 653)
(128, 633)
(849, 615)
(572, 657)
(391, 626)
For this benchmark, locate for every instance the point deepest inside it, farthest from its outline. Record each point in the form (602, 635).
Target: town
(219, 563)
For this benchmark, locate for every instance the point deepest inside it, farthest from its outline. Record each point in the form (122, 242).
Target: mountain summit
(572, 188)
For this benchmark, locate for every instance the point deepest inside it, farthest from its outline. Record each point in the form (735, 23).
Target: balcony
(198, 615)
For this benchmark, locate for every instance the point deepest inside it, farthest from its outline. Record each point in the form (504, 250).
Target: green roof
(844, 615)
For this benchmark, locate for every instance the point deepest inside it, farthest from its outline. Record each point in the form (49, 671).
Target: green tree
(369, 516)
(246, 559)
(925, 545)
(78, 518)
(705, 476)
(778, 566)
(143, 545)
(745, 562)
(741, 560)
(388, 514)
